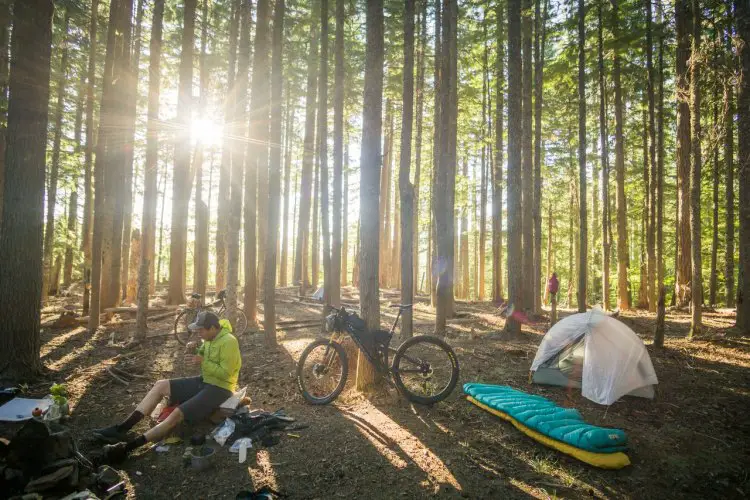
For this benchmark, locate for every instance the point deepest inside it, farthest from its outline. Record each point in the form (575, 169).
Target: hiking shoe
(115, 453)
(110, 434)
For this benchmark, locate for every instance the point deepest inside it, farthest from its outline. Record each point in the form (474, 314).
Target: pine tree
(21, 239)
(604, 141)
(742, 9)
(583, 211)
(497, 186)
(696, 282)
(527, 171)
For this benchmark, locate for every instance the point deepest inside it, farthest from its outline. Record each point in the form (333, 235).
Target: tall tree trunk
(385, 198)
(88, 191)
(419, 96)
(497, 186)
(315, 239)
(623, 299)
(4, 69)
(729, 188)
(446, 175)
(527, 172)
(109, 164)
(406, 189)
(49, 232)
(643, 291)
(484, 164)
(150, 171)
(21, 240)
(604, 141)
(181, 178)
(372, 127)
(328, 280)
(238, 173)
(651, 234)
(463, 260)
(539, 48)
(683, 16)
(70, 237)
(338, 156)
(284, 263)
(742, 9)
(583, 211)
(274, 178)
(515, 272)
(135, 58)
(660, 306)
(223, 209)
(713, 279)
(437, 68)
(256, 162)
(696, 288)
(303, 228)
(200, 253)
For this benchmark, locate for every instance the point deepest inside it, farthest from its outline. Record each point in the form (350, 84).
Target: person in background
(553, 285)
(198, 397)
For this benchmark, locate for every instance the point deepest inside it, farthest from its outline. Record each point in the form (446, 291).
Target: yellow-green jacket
(221, 358)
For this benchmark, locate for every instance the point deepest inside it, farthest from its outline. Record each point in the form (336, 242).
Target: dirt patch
(691, 441)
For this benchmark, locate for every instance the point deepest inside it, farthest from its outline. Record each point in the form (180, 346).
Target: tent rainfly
(597, 353)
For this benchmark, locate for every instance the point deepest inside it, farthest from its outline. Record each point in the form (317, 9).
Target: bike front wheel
(425, 369)
(181, 331)
(321, 371)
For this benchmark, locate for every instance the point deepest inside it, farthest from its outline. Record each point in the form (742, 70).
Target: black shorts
(197, 399)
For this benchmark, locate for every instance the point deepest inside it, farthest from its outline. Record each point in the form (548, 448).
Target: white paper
(233, 402)
(19, 409)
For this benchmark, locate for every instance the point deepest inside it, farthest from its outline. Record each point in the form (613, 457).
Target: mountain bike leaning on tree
(424, 368)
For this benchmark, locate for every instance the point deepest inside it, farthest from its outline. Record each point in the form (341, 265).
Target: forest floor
(692, 440)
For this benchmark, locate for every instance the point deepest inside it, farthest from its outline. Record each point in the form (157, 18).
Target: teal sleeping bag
(544, 416)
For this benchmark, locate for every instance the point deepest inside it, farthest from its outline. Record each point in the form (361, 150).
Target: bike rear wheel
(239, 326)
(322, 370)
(425, 369)
(181, 331)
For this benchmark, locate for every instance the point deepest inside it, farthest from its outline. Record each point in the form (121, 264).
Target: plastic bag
(238, 444)
(222, 432)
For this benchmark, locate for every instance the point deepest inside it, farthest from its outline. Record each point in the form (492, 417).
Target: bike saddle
(402, 306)
(221, 294)
(196, 296)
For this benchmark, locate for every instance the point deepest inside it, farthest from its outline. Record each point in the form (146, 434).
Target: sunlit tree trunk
(583, 211)
(485, 165)
(539, 48)
(71, 237)
(4, 68)
(729, 188)
(223, 209)
(385, 198)
(623, 299)
(49, 231)
(432, 253)
(660, 306)
(303, 228)
(497, 187)
(200, 253)
(274, 178)
(406, 189)
(651, 233)
(372, 127)
(181, 176)
(604, 141)
(21, 240)
(713, 278)
(150, 172)
(419, 96)
(284, 260)
(527, 172)
(683, 17)
(328, 280)
(696, 325)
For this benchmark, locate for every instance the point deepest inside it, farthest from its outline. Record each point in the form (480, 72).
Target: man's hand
(190, 346)
(194, 359)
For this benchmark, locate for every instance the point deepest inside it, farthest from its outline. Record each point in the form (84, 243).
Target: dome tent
(597, 353)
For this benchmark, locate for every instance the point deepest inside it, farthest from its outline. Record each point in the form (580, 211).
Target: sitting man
(198, 397)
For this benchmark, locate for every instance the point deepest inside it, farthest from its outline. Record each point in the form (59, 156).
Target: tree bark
(527, 173)
(683, 16)
(49, 232)
(485, 131)
(623, 299)
(604, 141)
(713, 278)
(406, 189)
(539, 48)
(274, 178)
(256, 162)
(225, 175)
(369, 194)
(306, 181)
(463, 255)
(129, 174)
(497, 186)
(88, 191)
(742, 9)
(284, 261)
(345, 229)
(315, 239)
(385, 197)
(328, 281)
(338, 157)
(696, 283)
(419, 96)
(200, 252)
(4, 69)
(515, 272)
(21, 240)
(729, 112)
(660, 306)
(432, 256)
(150, 172)
(583, 211)
(181, 178)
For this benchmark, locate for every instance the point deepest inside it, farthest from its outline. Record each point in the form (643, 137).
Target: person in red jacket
(553, 285)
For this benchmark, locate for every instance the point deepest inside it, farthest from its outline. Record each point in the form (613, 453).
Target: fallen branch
(127, 375)
(117, 378)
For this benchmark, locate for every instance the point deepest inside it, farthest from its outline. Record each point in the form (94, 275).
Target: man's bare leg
(163, 429)
(159, 391)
